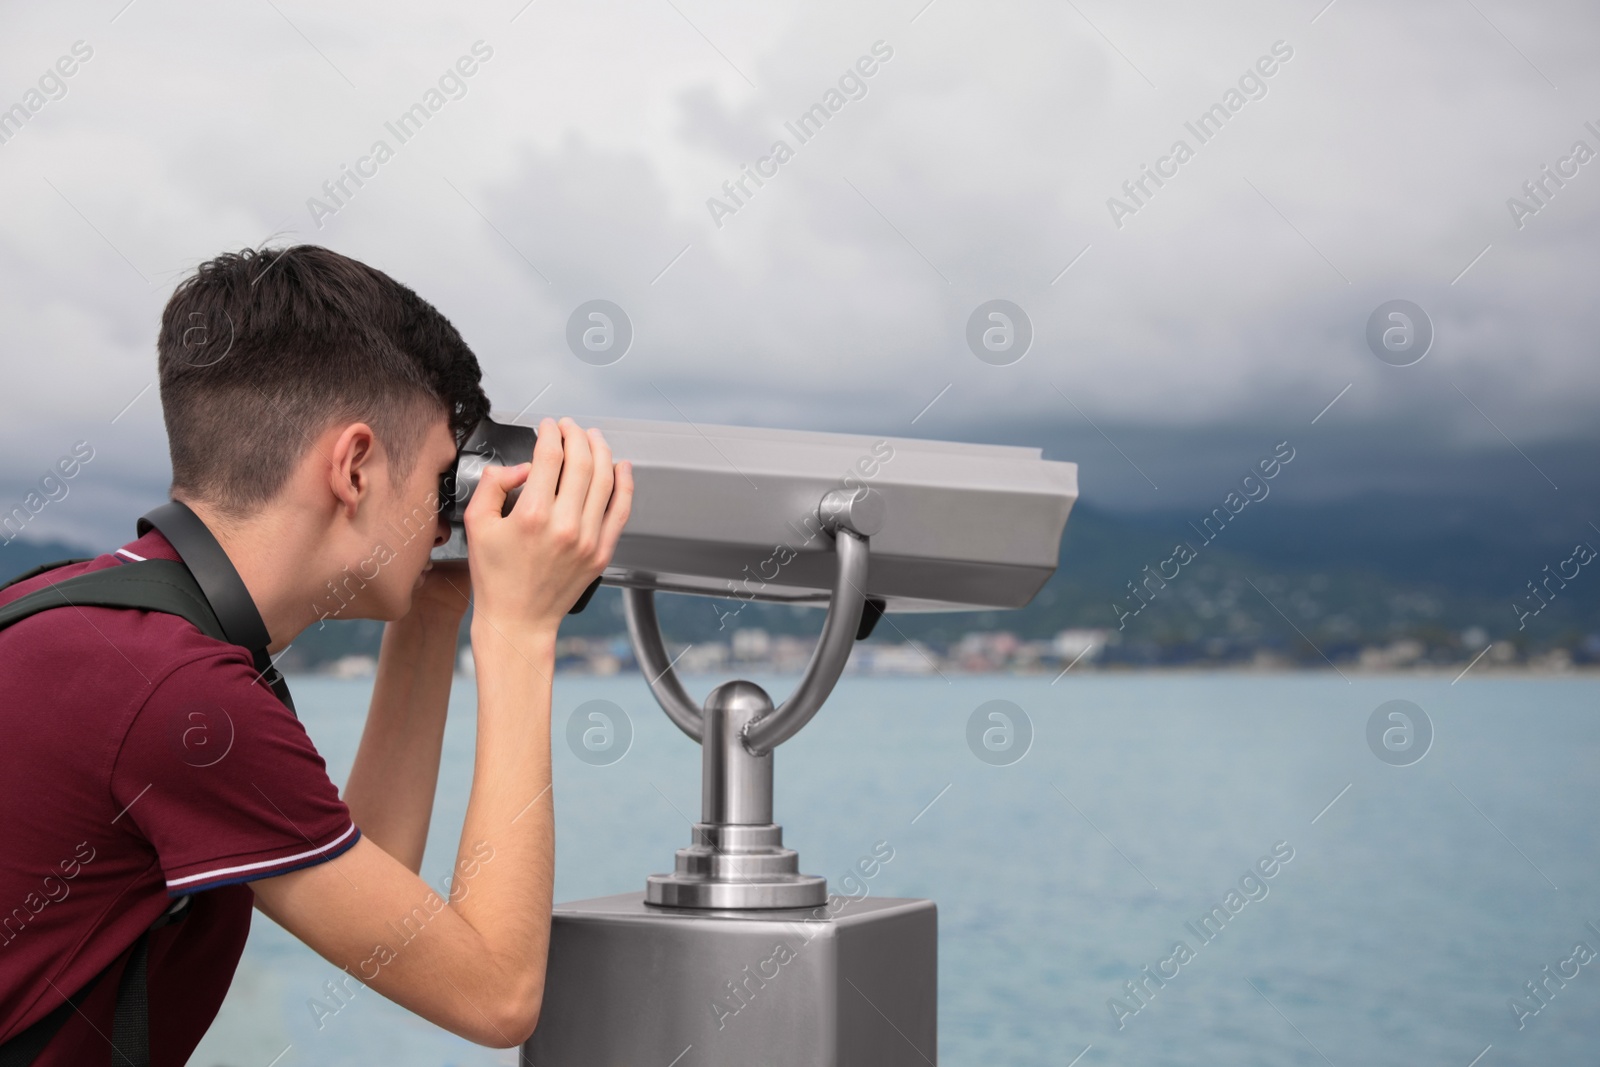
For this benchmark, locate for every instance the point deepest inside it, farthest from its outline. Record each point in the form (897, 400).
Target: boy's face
(402, 527)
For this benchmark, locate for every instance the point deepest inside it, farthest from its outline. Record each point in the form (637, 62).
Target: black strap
(152, 585)
(41, 568)
(224, 590)
(205, 589)
(23, 1049)
(130, 1024)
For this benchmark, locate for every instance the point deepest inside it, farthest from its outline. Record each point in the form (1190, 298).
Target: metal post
(735, 784)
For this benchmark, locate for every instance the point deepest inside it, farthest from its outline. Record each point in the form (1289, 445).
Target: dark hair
(262, 350)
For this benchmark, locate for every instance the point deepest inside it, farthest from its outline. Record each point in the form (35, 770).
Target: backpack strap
(40, 569)
(23, 1049)
(220, 586)
(152, 585)
(130, 1024)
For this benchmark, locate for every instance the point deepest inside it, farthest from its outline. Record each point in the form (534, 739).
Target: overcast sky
(977, 162)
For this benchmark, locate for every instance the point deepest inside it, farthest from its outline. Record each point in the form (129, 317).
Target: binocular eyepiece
(500, 444)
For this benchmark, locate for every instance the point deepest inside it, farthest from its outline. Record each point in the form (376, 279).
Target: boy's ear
(351, 464)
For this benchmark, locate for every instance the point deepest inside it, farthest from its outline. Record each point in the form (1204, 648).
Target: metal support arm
(644, 630)
(851, 516)
(828, 659)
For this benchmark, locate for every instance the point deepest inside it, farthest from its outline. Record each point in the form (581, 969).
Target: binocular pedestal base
(847, 984)
(737, 867)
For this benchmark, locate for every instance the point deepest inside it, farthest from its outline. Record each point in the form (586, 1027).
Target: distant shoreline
(1455, 672)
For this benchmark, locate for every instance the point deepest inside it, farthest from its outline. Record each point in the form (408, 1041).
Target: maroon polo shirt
(143, 761)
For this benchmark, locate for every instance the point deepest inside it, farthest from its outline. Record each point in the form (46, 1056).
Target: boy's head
(265, 353)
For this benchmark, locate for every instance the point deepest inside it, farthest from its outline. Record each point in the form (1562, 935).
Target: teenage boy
(157, 782)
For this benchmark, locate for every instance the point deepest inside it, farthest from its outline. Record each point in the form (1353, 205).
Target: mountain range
(1306, 579)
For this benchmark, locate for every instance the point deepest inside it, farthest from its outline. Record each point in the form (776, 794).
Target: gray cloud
(978, 165)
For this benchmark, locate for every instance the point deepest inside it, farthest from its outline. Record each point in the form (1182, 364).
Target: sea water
(1422, 900)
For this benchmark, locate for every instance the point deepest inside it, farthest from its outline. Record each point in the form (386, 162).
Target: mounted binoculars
(749, 514)
(861, 526)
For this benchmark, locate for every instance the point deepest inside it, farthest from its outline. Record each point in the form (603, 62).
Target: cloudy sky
(1211, 315)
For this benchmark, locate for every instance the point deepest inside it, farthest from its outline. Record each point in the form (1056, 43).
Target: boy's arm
(391, 786)
(473, 960)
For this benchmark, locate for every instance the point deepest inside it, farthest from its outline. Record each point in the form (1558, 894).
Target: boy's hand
(531, 566)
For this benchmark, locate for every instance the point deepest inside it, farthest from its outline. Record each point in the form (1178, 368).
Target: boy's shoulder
(85, 672)
(138, 721)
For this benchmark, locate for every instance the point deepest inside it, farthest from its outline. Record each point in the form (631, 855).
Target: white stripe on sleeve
(189, 879)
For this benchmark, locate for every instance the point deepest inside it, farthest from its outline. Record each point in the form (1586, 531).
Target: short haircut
(261, 350)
